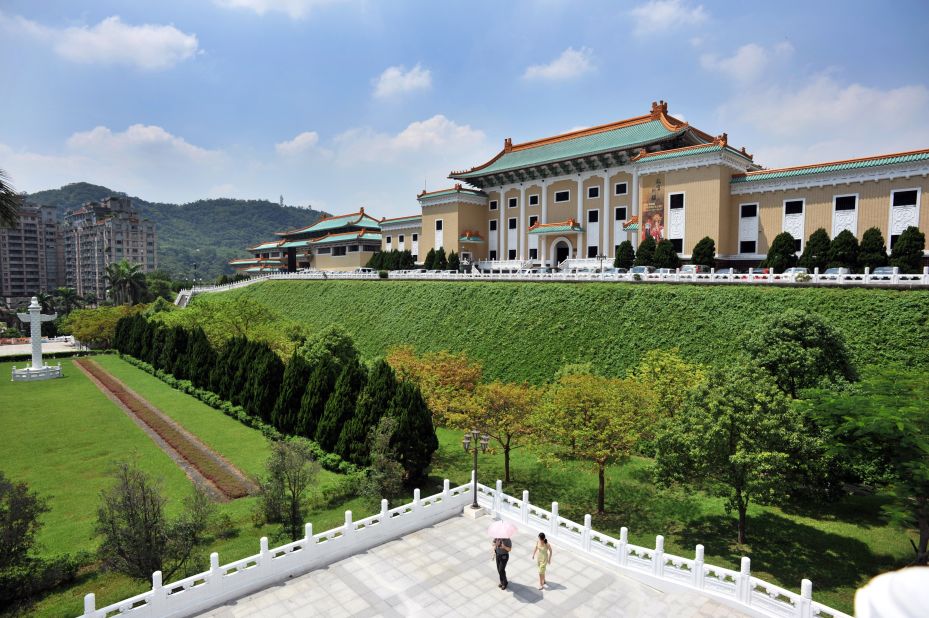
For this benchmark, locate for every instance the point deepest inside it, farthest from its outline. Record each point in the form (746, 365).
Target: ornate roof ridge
(276, 243)
(386, 220)
(776, 170)
(457, 187)
(357, 215)
(721, 141)
(570, 222)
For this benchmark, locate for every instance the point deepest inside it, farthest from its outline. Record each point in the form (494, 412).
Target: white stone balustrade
(666, 572)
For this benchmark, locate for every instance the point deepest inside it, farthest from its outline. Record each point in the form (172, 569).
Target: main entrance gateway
(562, 251)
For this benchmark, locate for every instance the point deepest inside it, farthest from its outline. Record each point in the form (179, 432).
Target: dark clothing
(502, 556)
(501, 568)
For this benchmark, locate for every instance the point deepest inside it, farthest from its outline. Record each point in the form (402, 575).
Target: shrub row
(329, 461)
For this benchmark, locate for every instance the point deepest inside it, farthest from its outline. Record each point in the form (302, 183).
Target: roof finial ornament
(361, 211)
(508, 144)
(723, 140)
(659, 108)
(457, 186)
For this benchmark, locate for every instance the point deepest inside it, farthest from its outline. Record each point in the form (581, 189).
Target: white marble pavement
(447, 570)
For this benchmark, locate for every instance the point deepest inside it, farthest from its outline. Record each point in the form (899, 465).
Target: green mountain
(199, 238)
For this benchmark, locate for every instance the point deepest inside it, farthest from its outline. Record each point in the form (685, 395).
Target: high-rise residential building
(101, 233)
(31, 254)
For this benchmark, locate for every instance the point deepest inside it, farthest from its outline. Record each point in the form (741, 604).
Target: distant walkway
(25, 349)
(446, 570)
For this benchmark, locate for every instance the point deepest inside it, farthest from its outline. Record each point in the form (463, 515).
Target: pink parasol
(501, 530)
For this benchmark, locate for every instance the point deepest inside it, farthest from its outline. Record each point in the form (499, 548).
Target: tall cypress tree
(174, 353)
(119, 335)
(287, 406)
(414, 439)
(429, 262)
(223, 373)
(340, 408)
(704, 253)
(146, 333)
(907, 252)
(372, 404)
(323, 375)
(645, 256)
(201, 357)
(625, 255)
(159, 334)
(243, 366)
(872, 251)
(263, 382)
(782, 254)
(843, 250)
(137, 337)
(665, 255)
(816, 252)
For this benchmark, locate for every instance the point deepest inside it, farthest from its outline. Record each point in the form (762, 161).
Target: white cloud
(295, 9)
(658, 16)
(748, 63)
(394, 81)
(111, 42)
(436, 136)
(822, 119)
(571, 63)
(298, 145)
(151, 140)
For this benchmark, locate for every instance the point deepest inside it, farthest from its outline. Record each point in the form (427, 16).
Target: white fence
(221, 584)
(863, 279)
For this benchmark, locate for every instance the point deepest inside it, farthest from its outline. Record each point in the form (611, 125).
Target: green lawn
(62, 436)
(837, 546)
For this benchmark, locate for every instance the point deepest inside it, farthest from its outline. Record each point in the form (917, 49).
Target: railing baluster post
(265, 560)
(498, 498)
(446, 488)
(416, 500)
(90, 605)
(585, 539)
(524, 514)
(745, 581)
(623, 548)
(698, 568)
(349, 528)
(554, 531)
(658, 557)
(805, 603)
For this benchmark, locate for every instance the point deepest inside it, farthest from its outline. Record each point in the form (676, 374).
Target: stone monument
(38, 370)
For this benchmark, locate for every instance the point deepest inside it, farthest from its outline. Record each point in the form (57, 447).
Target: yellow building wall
(349, 261)
(703, 191)
(873, 208)
(472, 217)
(448, 213)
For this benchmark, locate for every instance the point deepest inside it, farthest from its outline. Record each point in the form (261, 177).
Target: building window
(438, 225)
(493, 204)
(493, 254)
(749, 210)
(415, 237)
(511, 254)
(338, 251)
(621, 213)
(533, 220)
(399, 239)
(592, 252)
(512, 202)
(621, 188)
(533, 254)
(388, 241)
(511, 223)
(593, 193)
(493, 225)
(905, 198)
(748, 228)
(793, 207)
(844, 214)
(678, 244)
(675, 201)
(534, 200)
(846, 202)
(562, 196)
(593, 216)
(747, 246)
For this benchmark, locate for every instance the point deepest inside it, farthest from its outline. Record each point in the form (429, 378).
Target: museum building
(576, 196)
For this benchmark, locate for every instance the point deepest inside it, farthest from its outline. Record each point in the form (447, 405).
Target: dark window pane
(749, 210)
(388, 240)
(621, 188)
(593, 216)
(793, 207)
(621, 213)
(512, 224)
(592, 252)
(798, 245)
(493, 254)
(905, 198)
(593, 192)
(400, 239)
(893, 240)
(493, 225)
(438, 225)
(676, 200)
(846, 202)
(533, 254)
(493, 204)
(533, 200)
(512, 202)
(415, 237)
(512, 254)
(678, 244)
(747, 246)
(562, 196)
(533, 220)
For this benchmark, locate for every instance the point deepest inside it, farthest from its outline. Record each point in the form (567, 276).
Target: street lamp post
(472, 442)
(601, 257)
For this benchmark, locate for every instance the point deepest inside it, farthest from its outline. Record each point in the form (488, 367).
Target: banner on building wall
(652, 223)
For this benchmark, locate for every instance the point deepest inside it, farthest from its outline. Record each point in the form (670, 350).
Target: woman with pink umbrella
(501, 531)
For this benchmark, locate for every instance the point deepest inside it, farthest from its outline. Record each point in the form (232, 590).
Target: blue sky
(342, 103)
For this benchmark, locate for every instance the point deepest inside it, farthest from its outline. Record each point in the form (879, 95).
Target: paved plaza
(447, 570)
(48, 347)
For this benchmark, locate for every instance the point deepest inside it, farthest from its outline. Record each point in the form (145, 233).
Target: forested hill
(219, 228)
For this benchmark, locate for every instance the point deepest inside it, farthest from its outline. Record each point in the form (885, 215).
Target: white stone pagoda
(38, 370)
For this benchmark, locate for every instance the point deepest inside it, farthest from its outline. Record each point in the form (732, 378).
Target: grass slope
(526, 331)
(837, 546)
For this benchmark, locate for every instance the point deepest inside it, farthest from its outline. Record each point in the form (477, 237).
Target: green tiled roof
(244, 261)
(674, 154)
(470, 239)
(632, 227)
(623, 137)
(348, 237)
(333, 223)
(296, 243)
(448, 192)
(557, 229)
(833, 167)
(266, 245)
(403, 220)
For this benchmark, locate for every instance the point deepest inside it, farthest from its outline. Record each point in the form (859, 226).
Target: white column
(606, 221)
(501, 228)
(544, 219)
(635, 206)
(581, 236)
(521, 226)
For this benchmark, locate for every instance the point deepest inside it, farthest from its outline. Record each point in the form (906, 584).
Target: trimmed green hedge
(526, 331)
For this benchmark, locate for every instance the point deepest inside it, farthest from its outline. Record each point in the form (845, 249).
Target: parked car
(694, 269)
(883, 272)
(795, 272)
(832, 274)
(665, 271)
(366, 271)
(642, 270)
(728, 271)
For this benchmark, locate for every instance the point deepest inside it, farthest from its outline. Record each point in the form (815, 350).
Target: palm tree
(127, 282)
(9, 202)
(68, 300)
(45, 299)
